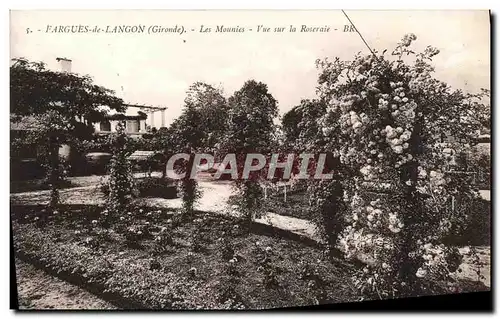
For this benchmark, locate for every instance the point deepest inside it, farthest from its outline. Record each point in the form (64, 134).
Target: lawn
(155, 259)
(35, 185)
(296, 205)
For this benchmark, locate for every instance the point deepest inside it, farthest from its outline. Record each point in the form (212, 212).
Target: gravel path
(38, 290)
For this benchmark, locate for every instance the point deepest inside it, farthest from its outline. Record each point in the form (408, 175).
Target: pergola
(151, 110)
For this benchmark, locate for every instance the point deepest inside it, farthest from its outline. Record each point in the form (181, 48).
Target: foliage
(151, 187)
(250, 130)
(190, 193)
(300, 125)
(305, 135)
(266, 265)
(198, 129)
(202, 123)
(389, 122)
(163, 240)
(36, 90)
(327, 210)
(121, 179)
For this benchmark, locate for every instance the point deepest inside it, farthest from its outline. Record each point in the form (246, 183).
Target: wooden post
(452, 203)
(265, 192)
(285, 192)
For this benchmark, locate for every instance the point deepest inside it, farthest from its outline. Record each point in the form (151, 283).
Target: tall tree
(251, 130)
(198, 129)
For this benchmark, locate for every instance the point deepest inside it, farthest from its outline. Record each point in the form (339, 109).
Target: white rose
(421, 273)
(398, 149)
(396, 141)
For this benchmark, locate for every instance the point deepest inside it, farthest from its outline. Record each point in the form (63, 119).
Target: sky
(157, 69)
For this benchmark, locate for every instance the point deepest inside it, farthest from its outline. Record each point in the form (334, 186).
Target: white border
(200, 4)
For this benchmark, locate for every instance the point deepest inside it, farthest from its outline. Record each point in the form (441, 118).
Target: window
(132, 126)
(105, 126)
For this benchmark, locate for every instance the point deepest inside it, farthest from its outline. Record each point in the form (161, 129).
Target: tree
(212, 108)
(390, 122)
(301, 124)
(63, 107)
(250, 129)
(198, 129)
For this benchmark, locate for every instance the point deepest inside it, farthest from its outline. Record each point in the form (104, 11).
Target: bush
(97, 162)
(156, 187)
(121, 180)
(475, 228)
(151, 187)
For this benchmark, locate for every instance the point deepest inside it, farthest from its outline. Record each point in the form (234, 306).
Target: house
(135, 124)
(25, 159)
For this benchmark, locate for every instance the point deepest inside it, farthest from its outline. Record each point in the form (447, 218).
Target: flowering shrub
(163, 240)
(266, 266)
(226, 248)
(197, 238)
(189, 192)
(316, 284)
(229, 295)
(121, 180)
(389, 123)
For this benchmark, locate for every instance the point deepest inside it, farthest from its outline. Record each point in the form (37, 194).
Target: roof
(119, 116)
(130, 113)
(96, 155)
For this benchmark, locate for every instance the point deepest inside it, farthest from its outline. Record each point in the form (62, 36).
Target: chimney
(65, 64)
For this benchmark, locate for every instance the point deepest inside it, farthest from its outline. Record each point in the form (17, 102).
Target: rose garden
(402, 215)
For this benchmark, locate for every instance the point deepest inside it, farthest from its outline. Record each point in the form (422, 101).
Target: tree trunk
(410, 208)
(54, 174)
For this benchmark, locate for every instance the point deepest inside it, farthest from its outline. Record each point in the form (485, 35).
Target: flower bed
(157, 260)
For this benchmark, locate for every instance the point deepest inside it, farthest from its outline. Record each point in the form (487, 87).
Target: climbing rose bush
(394, 128)
(121, 179)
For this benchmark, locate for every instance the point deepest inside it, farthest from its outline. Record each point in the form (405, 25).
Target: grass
(296, 205)
(35, 185)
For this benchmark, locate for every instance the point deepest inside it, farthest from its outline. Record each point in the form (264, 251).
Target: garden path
(38, 290)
